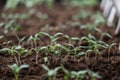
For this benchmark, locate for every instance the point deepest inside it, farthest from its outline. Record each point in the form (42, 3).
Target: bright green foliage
(16, 69)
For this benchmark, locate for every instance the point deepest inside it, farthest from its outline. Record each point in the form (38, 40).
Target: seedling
(93, 44)
(93, 75)
(70, 39)
(16, 69)
(15, 50)
(72, 50)
(33, 40)
(109, 49)
(53, 38)
(67, 73)
(78, 75)
(20, 40)
(57, 48)
(51, 73)
(37, 51)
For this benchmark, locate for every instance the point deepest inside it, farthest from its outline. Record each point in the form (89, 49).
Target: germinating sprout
(15, 50)
(33, 40)
(66, 72)
(70, 39)
(53, 38)
(16, 69)
(79, 75)
(51, 73)
(57, 48)
(20, 40)
(37, 51)
(93, 44)
(109, 47)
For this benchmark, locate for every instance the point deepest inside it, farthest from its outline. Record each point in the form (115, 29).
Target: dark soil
(58, 18)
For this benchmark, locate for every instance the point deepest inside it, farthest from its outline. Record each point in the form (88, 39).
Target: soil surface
(58, 20)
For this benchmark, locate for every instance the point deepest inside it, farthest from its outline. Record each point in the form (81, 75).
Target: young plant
(70, 39)
(53, 38)
(78, 75)
(93, 75)
(16, 69)
(33, 40)
(66, 72)
(81, 74)
(72, 50)
(15, 50)
(37, 51)
(20, 40)
(57, 48)
(51, 73)
(93, 44)
(109, 47)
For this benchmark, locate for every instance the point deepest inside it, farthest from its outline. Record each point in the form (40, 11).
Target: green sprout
(53, 38)
(66, 72)
(93, 44)
(93, 75)
(51, 73)
(20, 40)
(37, 51)
(109, 47)
(72, 50)
(78, 75)
(70, 39)
(15, 50)
(33, 40)
(57, 48)
(16, 69)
